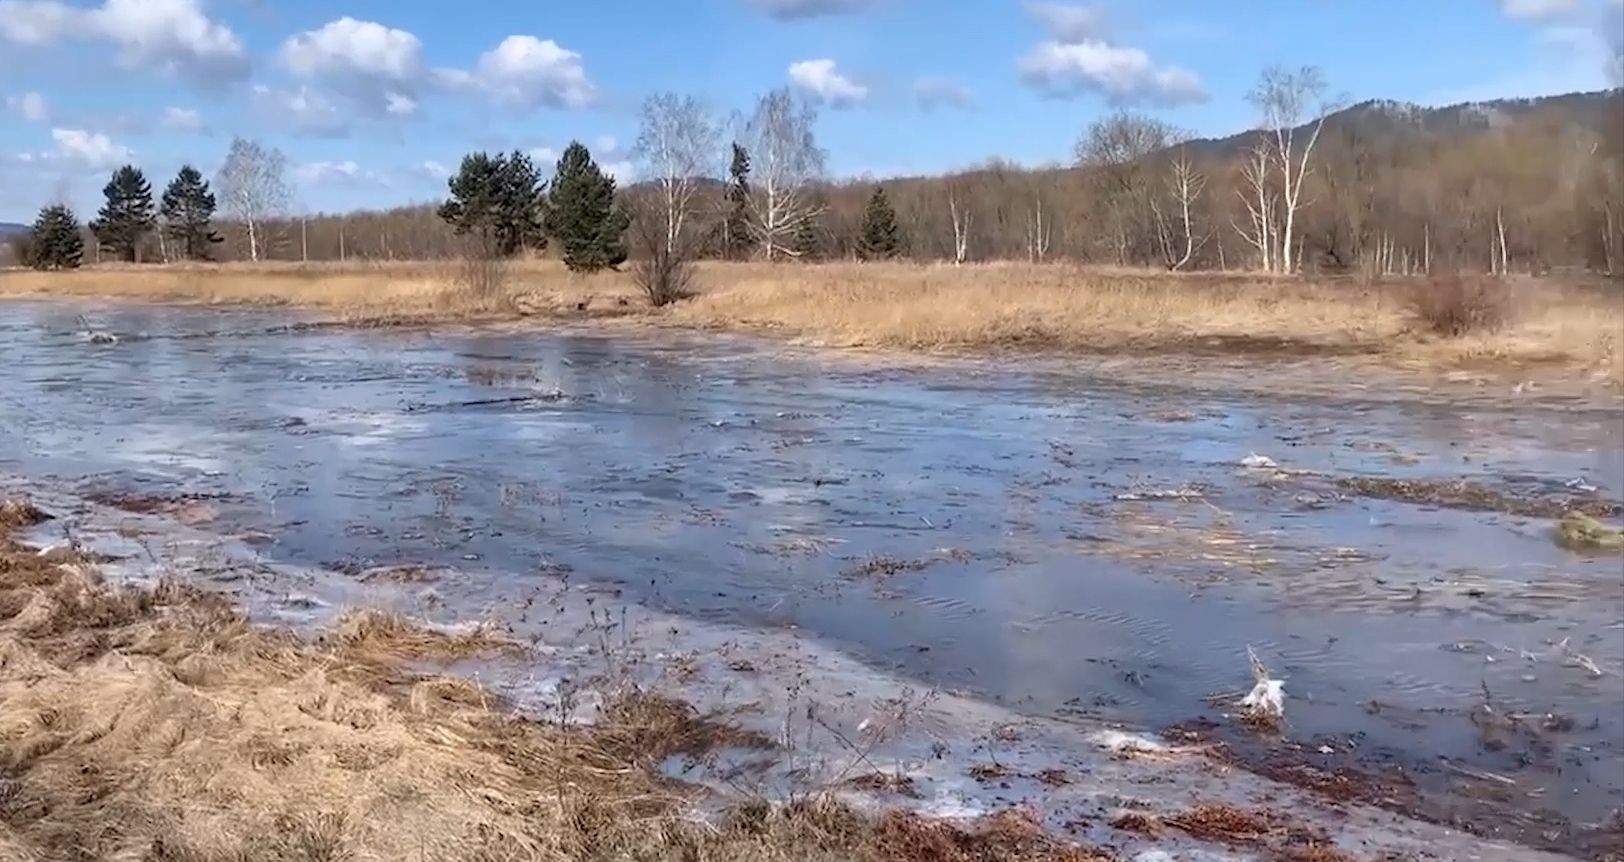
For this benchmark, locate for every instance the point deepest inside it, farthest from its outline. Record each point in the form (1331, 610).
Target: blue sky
(372, 100)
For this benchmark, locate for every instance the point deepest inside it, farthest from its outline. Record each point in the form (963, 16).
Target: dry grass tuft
(1459, 305)
(157, 724)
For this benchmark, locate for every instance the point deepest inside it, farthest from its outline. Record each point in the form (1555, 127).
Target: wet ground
(1072, 543)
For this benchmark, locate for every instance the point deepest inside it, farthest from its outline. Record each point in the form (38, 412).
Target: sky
(373, 102)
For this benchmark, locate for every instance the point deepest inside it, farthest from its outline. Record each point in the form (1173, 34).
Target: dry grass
(932, 307)
(157, 724)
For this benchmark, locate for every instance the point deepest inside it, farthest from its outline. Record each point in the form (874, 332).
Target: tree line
(1526, 193)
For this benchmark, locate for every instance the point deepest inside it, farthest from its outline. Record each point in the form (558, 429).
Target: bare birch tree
(1259, 199)
(961, 218)
(253, 188)
(1184, 187)
(1286, 100)
(781, 141)
(1119, 151)
(680, 145)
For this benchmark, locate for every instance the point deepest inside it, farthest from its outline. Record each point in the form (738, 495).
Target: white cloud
(1539, 10)
(1069, 24)
(90, 149)
(932, 92)
(172, 36)
(379, 67)
(433, 170)
(544, 157)
(527, 72)
(791, 10)
(820, 78)
(31, 106)
(1121, 75)
(182, 120)
(302, 112)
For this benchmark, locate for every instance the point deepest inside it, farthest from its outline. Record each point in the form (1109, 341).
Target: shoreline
(1564, 337)
(1081, 784)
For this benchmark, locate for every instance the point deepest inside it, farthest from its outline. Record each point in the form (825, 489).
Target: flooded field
(1085, 544)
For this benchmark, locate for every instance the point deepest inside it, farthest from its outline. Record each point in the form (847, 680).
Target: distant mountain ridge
(10, 229)
(1382, 117)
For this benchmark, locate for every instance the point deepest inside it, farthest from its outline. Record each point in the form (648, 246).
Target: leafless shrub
(664, 268)
(1459, 305)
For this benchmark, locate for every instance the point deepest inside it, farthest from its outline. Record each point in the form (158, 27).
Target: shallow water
(1007, 529)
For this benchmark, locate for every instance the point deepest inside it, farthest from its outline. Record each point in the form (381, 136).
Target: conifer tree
(736, 223)
(582, 214)
(188, 213)
(54, 243)
(881, 238)
(499, 199)
(807, 241)
(127, 216)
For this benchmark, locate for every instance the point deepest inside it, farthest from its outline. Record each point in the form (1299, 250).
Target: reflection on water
(1075, 545)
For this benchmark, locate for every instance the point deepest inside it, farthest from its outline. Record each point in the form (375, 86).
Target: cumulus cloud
(527, 72)
(820, 79)
(1077, 59)
(173, 36)
(793, 10)
(89, 149)
(1121, 75)
(181, 120)
(1069, 24)
(933, 92)
(1587, 32)
(379, 67)
(30, 106)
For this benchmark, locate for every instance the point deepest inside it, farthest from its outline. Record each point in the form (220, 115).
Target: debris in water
(1255, 461)
(1265, 705)
(1581, 532)
(1573, 658)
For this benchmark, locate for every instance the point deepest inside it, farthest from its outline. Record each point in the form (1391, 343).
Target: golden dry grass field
(1578, 330)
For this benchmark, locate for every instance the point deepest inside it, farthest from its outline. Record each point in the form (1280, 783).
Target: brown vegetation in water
(157, 724)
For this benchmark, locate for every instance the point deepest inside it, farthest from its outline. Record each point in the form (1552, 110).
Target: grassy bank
(158, 724)
(930, 307)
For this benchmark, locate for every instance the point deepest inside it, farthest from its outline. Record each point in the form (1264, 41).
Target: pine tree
(736, 224)
(54, 243)
(127, 216)
(582, 214)
(187, 211)
(881, 239)
(499, 199)
(521, 208)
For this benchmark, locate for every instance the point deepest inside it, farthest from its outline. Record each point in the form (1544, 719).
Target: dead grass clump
(1580, 532)
(1457, 305)
(648, 728)
(1473, 496)
(157, 724)
(20, 513)
(1225, 823)
(1008, 836)
(377, 633)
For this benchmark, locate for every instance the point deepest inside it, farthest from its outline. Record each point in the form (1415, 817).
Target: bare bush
(663, 269)
(1459, 305)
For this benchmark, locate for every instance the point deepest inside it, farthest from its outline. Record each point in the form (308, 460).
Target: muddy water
(1075, 543)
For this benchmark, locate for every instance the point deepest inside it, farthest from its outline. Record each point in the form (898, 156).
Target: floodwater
(1077, 542)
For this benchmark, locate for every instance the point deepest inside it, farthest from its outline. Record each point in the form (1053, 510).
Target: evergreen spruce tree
(807, 240)
(881, 238)
(736, 223)
(54, 243)
(188, 213)
(582, 214)
(127, 216)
